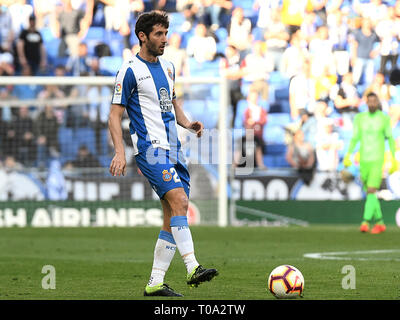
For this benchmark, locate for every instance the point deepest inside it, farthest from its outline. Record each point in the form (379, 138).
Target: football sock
(183, 238)
(378, 212)
(164, 251)
(369, 207)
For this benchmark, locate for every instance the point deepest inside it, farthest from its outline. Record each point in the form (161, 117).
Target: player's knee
(178, 202)
(183, 204)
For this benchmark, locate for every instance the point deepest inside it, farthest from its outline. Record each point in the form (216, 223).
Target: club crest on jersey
(166, 175)
(170, 74)
(165, 101)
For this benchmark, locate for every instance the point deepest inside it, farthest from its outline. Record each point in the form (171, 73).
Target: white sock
(183, 239)
(164, 252)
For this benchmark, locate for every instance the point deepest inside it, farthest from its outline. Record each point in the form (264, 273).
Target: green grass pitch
(115, 263)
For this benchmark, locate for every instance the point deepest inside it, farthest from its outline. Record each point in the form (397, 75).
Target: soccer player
(144, 86)
(371, 128)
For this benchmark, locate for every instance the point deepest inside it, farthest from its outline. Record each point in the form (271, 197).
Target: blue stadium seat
(221, 46)
(52, 49)
(85, 136)
(213, 105)
(242, 3)
(204, 69)
(276, 149)
(186, 36)
(241, 107)
(65, 140)
(275, 161)
(274, 134)
(269, 161)
(279, 119)
(104, 160)
(215, 92)
(194, 67)
(222, 34)
(115, 41)
(91, 44)
(258, 34)
(57, 61)
(285, 106)
(103, 142)
(280, 106)
(264, 104)
(281, 162)
(245, 87)
(176, 19)
(195, 107)
(212, 114)
(47, 34)
(282, 93)
(95, 33)
(109, 66)
(277, 78)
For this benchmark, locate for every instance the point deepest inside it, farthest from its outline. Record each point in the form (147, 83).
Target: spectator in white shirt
(256, 68)
(201, 46)
(239, 30)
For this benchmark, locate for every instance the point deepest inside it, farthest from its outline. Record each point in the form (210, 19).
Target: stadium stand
(201, 101)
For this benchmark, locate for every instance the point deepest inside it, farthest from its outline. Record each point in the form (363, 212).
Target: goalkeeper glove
(347, 161)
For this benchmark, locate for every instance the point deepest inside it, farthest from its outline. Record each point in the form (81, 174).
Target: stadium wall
(148, 213)
(312, 212)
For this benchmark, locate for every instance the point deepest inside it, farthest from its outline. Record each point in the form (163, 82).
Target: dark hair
(147, 20)
(372, 94)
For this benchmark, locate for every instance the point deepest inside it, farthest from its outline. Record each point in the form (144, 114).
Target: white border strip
(334, 255)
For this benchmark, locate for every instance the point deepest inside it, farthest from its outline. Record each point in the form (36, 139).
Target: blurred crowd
(298, 70)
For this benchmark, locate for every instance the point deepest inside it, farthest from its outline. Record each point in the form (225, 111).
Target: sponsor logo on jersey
(144, 78)
(165, 101)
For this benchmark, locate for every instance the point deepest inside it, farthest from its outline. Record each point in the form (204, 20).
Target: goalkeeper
(371, 128)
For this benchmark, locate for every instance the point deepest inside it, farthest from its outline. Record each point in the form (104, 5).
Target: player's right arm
(353, 142)
(125, 83)
(118, 163)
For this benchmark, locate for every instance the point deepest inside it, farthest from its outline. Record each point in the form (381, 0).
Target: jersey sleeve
(125, 85)
(388, 128)
(389, 135)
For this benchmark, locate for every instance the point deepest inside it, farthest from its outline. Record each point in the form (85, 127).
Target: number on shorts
(174, 175)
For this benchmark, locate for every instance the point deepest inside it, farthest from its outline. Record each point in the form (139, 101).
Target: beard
(153, 49)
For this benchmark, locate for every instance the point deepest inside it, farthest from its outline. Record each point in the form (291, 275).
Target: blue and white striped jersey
(146, 90)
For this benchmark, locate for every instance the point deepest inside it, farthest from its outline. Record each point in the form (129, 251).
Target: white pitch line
(334, 255)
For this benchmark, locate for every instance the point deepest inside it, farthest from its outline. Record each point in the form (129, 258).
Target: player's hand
(197, 127)
(394, 166)
(346, 161)
(118, 165)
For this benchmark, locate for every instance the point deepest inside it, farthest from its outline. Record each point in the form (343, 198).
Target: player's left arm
(184, 122)
(389, 137)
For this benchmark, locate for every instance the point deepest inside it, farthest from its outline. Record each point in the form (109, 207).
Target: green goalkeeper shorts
(371, 173)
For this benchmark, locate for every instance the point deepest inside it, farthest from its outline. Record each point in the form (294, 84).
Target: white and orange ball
(286, 282)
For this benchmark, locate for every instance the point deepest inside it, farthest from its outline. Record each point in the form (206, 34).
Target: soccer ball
(286, 282)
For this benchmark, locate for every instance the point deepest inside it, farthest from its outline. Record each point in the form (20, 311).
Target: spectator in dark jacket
(30, 48)
(46, 131)
(85, 159)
